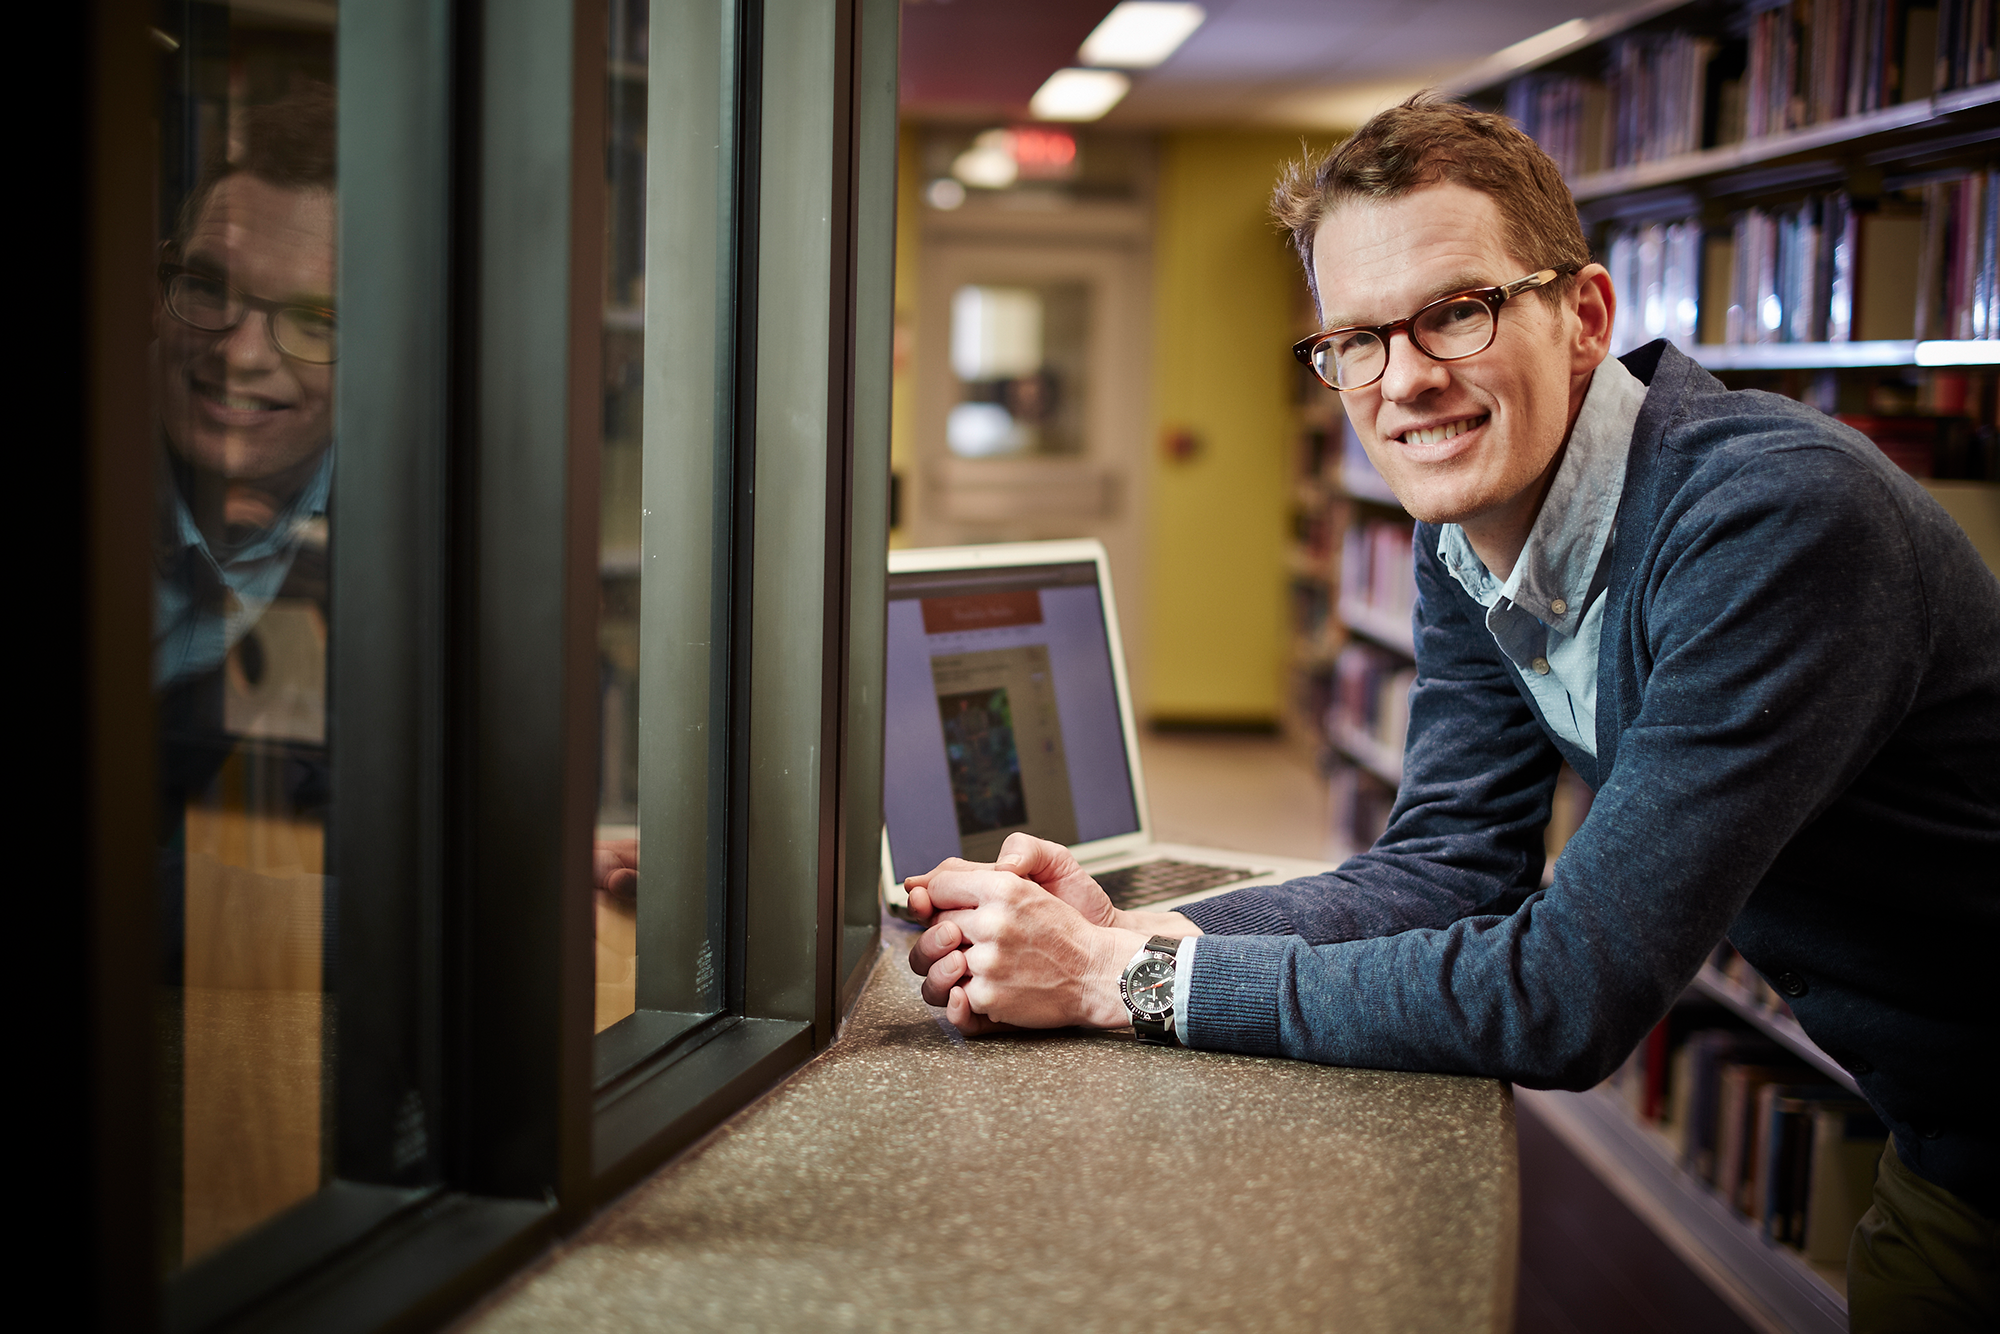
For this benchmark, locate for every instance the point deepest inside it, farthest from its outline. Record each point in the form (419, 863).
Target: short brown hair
(289, 143)
(1428, 140)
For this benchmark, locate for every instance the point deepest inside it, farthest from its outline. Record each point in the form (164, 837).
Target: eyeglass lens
(1445, 331)
(215, 307)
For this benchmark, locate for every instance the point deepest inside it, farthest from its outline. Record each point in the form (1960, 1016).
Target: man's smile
(235, 407)
(1435, 441)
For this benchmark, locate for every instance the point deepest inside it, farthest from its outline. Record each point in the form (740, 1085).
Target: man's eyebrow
(207, 267)
(1463, 281)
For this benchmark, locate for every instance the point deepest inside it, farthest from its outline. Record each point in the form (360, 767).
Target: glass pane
(245, 363)
(664, 624)
(1020, 356)
(290, 1121)
(618, 617)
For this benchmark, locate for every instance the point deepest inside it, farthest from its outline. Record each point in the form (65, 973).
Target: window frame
(468, 702)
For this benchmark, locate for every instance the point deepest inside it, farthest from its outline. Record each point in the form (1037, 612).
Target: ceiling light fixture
(1078, 94)
(1139, 34)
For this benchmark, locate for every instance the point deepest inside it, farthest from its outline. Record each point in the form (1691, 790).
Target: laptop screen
(1001, 713)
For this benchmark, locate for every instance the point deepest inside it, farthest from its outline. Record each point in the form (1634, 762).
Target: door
(1031, 401)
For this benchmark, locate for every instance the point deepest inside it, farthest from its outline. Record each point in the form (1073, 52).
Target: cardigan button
(1792, 984)
(1559, 606)
(1541, 666)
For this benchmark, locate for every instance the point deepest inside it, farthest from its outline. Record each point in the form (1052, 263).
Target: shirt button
(1541, 666)
(1791, 984)
(1559, 606)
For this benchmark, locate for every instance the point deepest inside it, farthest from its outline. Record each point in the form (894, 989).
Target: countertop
(907, 1178)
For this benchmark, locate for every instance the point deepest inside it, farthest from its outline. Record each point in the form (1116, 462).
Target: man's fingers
(1025, 855)
(948, 864)
(942, 939)
(920, 899)
(968, 1021)
(944, 975)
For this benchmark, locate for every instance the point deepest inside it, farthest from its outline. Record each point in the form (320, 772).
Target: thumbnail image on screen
(985, 767)
(1003, 746)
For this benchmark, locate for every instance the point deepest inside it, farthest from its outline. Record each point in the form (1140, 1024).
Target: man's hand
(614, 867)
(1050, 865)
(1029, 942)
(1005, 953)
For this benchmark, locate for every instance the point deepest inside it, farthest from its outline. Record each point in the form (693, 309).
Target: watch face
(1149, 986)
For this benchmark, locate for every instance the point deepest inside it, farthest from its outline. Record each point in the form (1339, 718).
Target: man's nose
(1409, 373)
(250, 344)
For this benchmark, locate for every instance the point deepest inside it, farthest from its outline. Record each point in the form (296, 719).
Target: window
(514, 485)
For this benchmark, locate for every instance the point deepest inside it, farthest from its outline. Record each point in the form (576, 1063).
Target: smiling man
(1770, 654)
(246, 344)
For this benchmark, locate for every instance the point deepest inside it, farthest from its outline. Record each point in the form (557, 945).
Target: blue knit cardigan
(1798, 747)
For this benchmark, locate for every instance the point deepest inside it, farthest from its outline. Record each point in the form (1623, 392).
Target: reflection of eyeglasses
(1451, 328)
(201, 301)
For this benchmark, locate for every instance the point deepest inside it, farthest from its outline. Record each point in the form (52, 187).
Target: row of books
(1782, 67)
(1793, 276)
(1968, 43)
(1311, 607)
(1811, 61)
(1656, 276)
(1656, 86)
(1376, 570)
(1648, 105)
(1371, 697)
(1780, 1144)
(1958, 263)
(1821, 270)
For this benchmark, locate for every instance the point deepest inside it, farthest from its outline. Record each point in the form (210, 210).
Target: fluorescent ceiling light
(1078, 94)
(1139, 34)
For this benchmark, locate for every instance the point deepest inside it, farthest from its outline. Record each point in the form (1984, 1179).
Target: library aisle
(1236, 790)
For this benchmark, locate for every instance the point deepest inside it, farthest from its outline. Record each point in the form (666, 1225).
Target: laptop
(1006, 708)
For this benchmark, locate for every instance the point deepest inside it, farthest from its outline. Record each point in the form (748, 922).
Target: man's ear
(1595, 306)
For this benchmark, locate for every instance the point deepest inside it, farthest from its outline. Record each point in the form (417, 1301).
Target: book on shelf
(1377, 571)
(1956, 262)
(1371, 697)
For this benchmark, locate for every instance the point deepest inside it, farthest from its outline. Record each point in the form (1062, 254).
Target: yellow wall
(1224, 296)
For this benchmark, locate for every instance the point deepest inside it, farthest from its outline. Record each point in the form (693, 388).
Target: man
(1765, 648)
(244, 371)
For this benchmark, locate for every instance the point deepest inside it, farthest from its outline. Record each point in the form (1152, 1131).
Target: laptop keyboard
(1150, 882)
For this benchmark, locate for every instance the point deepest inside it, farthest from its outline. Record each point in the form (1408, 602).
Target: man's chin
(232, 459)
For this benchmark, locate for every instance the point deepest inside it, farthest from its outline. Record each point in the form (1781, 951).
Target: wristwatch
(1147, 988)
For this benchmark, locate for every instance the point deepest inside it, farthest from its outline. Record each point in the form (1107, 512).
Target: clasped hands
(1030, 941)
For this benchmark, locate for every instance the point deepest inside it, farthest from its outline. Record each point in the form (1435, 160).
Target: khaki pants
(1922, 1260)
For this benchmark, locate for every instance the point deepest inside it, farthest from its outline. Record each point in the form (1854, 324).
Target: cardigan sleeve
(1465, 835)
(1778, 630)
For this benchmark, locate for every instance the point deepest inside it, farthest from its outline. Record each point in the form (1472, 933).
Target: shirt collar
(1555, 576)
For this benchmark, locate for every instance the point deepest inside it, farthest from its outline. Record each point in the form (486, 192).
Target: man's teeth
(1437, 435)
(235, 404)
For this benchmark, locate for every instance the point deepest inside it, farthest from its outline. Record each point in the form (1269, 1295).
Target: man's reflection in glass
(243, 382)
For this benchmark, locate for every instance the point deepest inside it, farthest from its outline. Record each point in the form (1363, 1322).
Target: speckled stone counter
(910, 1179)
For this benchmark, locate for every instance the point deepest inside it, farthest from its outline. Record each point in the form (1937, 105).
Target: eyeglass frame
(168, 271)
(1493, 297)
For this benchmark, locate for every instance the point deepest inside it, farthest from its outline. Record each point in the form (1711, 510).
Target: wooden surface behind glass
(254, 1016)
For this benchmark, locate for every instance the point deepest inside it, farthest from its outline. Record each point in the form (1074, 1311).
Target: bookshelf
(1828, 229)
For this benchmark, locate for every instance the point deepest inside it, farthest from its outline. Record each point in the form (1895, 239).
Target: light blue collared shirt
(1548, 617)
(191, 635)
